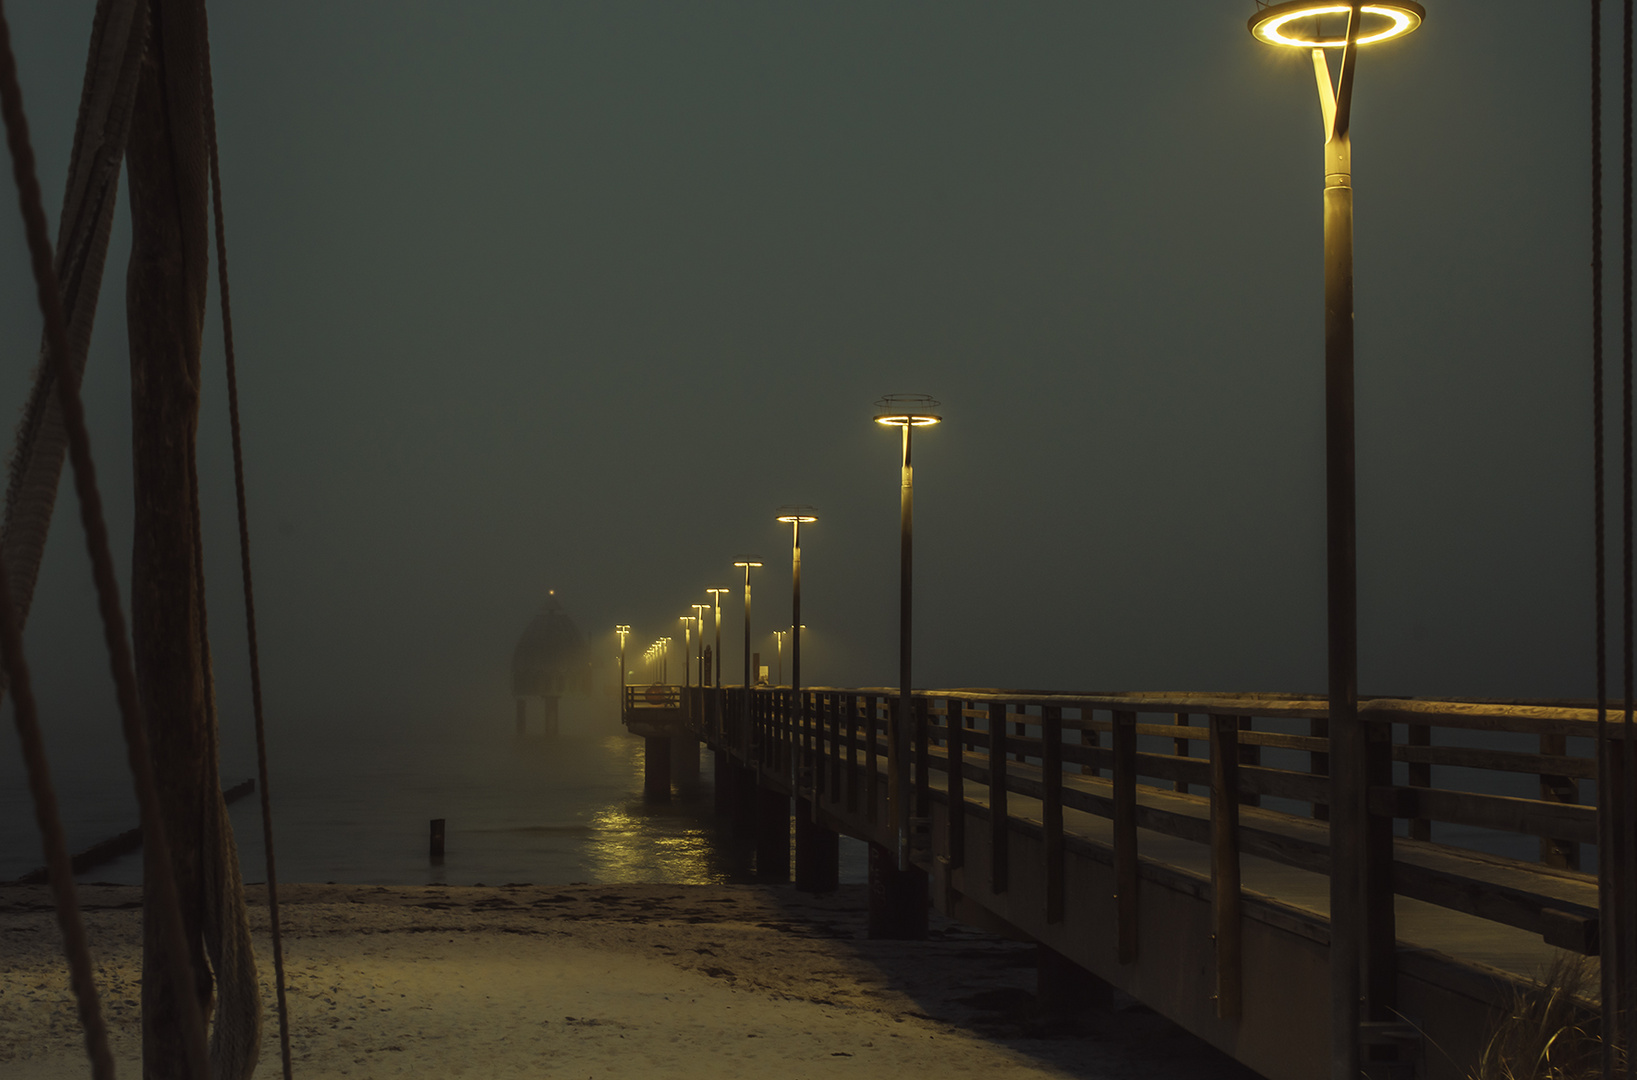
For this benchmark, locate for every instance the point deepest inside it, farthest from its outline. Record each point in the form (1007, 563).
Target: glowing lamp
(907, 410)
(1280, 24)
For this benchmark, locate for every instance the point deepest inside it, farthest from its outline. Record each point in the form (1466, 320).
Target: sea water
(355, 806)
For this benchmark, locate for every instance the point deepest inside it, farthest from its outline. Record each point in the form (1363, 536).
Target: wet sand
(692, 982)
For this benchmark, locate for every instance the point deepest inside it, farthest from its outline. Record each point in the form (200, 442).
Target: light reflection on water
(356, 810)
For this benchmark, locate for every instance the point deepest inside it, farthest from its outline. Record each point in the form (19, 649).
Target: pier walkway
(1176, 847)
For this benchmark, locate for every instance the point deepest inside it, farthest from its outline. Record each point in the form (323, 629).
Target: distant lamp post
(796, 517)
(716, 655)
(906, 412)
(687, 647)
(1359, 932)
(665, 660)
(778, 643)
(747, 564)
(622, 631)
(699, 621)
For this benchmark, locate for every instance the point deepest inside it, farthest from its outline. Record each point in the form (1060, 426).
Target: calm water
(356, 810)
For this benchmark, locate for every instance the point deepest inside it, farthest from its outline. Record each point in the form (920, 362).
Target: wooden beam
(1051, 769)
(955, 717)
(999, 826)
(1125, 833)
(1226, 897)
(1179, 746)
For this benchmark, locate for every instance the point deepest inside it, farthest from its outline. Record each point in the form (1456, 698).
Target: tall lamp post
(699, 621)
(778, 644)
(716, 662)
(1361, 909)
(747, 564)
(622, 630)
(796, 517)
(906, 412)
(687, 648)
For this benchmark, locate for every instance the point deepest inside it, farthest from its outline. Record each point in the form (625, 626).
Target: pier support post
(722, 793)
(548, 726)
(772, 834)
(684, 759)
(656, 769)
(743, 793)
(818, 853)
(898, 898)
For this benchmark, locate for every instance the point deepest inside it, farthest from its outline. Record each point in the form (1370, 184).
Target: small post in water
(437, 839)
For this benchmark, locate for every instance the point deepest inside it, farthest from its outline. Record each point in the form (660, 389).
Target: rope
(211, 151)
(1605, 809)
(177, 959)
(1626, 932)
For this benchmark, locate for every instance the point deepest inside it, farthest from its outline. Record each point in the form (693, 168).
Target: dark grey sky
(574, 295)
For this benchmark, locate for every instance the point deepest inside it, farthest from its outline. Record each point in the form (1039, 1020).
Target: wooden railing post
(1225, 889)
(1180, 746)
(850, 703)
(999, 827)
(955, 745)
(1563, 854)
(1420, 776)
(1249, 754)
(1051, 772)
(872, 776)
(923, 758)
(1125, 832)
(1318, 764)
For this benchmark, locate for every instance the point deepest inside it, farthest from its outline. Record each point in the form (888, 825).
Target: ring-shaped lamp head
(1275, 25)
(907, 410)
(798, 515)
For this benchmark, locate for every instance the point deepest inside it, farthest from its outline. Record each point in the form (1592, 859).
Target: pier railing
(1494, 831)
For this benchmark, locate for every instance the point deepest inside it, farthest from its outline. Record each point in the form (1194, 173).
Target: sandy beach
(598, 981)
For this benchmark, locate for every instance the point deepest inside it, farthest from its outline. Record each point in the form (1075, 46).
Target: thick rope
(1626, 854)
(119, 34)
(1605, 808)
(177, 958)
(211, 150)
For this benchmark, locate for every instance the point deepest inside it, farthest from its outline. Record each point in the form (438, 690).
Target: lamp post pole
(1362, 927)
(699, 621)
(622, 630)
(747, 564)
(778, 645)
(796, 517)
(716, 661)
(906, 411)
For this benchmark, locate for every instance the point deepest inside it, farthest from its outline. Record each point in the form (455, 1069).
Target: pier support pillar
(744, 795)
(656, 769)
(684, 759)
(548, 726)
(772, 834)
(818, 853)
(722, 793)
(898, 898)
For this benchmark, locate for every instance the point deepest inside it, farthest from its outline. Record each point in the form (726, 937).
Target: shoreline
(699, 982)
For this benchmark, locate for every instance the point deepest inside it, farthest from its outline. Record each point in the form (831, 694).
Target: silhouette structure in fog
(549, 661)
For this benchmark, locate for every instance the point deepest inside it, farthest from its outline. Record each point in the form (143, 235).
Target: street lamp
(665, 660)
(699, 620)
(687, 647)
(622, 630)
(796, 517)
(716, 663)
(907, 412)
(1358, 931)
(778, 642)
(747, 563)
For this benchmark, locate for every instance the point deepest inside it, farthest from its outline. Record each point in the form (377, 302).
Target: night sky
(574, 295)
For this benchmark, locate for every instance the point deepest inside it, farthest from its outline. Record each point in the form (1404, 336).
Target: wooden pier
(1176, 847)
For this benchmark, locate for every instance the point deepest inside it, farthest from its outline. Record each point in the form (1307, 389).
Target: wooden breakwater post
(436, 846)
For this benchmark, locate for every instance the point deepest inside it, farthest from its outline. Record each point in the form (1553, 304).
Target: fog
(574, 296)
